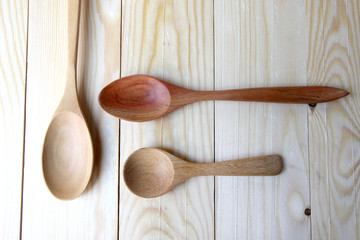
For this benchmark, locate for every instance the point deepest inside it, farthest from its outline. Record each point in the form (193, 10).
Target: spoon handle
(69, 101)
(255, 166)
(298, 94)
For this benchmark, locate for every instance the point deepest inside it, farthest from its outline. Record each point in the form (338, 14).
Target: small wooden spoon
(151, 172)
(67, 153)
(142, 98)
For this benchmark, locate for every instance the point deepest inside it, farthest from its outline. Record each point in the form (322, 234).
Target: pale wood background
(204, 45)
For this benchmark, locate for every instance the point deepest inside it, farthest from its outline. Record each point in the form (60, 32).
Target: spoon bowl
(143, 98)
(67, 155)
(136, 97)
(152, 172)
(149, 172)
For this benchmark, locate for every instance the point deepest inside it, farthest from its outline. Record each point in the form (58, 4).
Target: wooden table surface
(203, 45)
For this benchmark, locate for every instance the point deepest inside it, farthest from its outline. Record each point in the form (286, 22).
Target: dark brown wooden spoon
(143, 98)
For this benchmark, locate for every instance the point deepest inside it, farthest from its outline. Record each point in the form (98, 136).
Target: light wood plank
(254, 48)
(334, 132)
(13, 36)
(233, 19)
(353, 103)
(189, 131)
(171, 40)
(319, 164)
(239, 65)
(291, 121)
(142, 52)
(94, 213)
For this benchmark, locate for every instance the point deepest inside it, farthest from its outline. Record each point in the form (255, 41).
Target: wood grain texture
(353, 104)
(142, 50)
(170, 40)
(93, 215)
(289, 63)
(319, 164)
(188, 132)
(199, 45)
(334, 128)
(253, 43)
(13, 37)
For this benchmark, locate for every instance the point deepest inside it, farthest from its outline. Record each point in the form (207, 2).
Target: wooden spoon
(67, 153)
(143, 98)
(151, 172)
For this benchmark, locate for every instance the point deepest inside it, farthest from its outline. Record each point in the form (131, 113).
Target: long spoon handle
(255, 166)
(72, 17)
(69, 100)
(300, 94)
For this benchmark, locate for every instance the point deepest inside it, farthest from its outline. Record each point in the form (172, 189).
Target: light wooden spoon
(67, 152)
(143, 98)
(151, 172)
